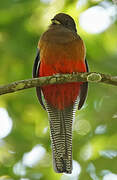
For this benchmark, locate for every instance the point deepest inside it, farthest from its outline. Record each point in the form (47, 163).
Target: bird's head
(65, 20)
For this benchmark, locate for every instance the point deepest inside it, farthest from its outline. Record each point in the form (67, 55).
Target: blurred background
(25, 147)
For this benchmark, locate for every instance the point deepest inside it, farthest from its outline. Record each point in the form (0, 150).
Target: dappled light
(108, 153)
(82, 127)
(34, 156)
(5, 123)
(81, 3)
(45, 1)
(92, 171)
(98, 18)
(101, 129)
(75, 173)
(19, 169)
(86, 152)
(110, 176)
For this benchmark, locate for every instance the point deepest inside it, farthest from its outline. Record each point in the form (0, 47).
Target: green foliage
(95, 127)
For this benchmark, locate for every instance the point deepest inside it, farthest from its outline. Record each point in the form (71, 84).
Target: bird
(61, 50)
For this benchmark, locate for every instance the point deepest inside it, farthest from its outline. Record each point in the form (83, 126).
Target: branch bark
(58, 79)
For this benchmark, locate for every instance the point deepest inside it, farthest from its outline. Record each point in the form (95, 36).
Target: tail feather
(61, 137)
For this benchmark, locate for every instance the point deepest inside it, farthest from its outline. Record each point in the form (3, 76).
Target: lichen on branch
(58, 79)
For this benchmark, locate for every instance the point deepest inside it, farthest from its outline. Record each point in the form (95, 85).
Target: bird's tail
(61, 137)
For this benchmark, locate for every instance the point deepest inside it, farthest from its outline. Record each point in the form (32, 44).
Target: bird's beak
(54, 21)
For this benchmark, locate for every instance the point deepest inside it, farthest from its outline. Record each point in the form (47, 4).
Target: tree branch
(58, 79)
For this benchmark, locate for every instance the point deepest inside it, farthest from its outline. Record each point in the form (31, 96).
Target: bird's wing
(35, 75)
(83, 90)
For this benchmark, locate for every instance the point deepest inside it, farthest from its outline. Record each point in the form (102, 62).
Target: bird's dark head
(64, 20)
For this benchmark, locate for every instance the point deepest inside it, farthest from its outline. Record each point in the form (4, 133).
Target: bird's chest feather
(58, 59)
(62, 58)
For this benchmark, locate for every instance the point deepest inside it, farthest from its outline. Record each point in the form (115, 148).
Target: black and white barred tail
(61, 137)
